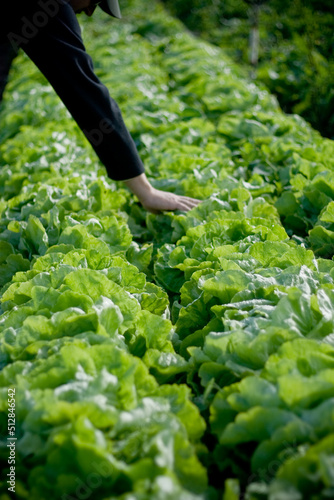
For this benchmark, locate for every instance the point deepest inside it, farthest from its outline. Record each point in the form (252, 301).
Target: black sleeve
(58, 51)
(7, 54)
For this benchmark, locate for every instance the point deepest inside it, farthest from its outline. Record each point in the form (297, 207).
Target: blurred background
(287, 45)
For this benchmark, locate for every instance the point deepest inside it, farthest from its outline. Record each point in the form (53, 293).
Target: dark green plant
(295, 52)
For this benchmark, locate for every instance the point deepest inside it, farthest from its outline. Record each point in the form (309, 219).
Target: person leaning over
(49, 33)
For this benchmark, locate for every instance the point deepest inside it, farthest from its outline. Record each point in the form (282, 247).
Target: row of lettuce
(173, 355)
(79, 324)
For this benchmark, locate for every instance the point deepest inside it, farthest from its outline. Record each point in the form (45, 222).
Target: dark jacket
(48, 31)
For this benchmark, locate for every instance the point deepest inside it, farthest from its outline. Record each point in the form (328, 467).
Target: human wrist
(139, 186)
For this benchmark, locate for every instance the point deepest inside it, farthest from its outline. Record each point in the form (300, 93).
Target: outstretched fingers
(186, 203)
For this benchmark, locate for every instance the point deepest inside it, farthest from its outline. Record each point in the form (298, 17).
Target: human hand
(155, 200)
(158, 200)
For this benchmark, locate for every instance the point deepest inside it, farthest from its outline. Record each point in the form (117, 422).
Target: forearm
(59, 52)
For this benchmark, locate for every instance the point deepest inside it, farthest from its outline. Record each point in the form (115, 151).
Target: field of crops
(179, 356)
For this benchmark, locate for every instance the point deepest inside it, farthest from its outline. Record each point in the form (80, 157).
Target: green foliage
(296, 49)
(180, 355)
